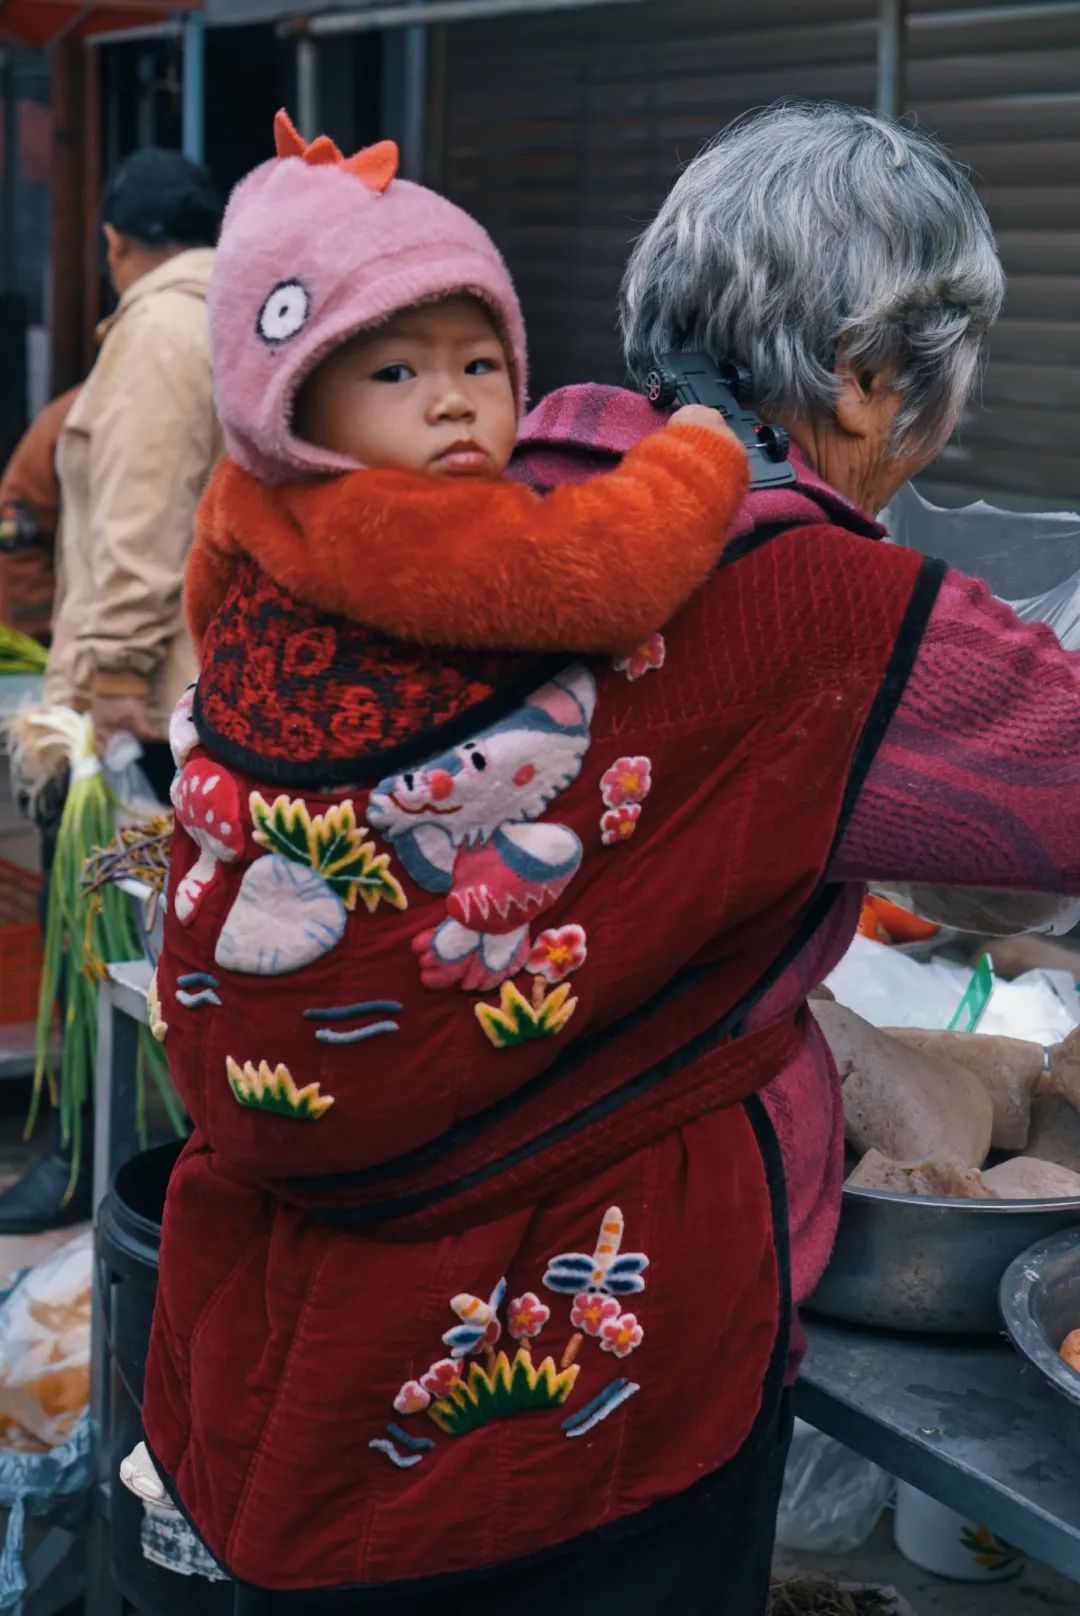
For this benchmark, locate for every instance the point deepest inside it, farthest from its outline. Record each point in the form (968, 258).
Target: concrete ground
(1037, 1589)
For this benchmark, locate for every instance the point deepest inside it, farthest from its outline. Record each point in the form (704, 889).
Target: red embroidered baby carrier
(472, 1250)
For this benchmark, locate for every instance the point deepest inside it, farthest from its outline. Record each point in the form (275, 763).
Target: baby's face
(429, 391)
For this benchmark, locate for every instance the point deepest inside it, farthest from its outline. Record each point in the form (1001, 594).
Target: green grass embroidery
(264, 1089)
(484, 1395)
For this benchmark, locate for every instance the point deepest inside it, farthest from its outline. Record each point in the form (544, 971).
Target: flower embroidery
(628, 780)
(357, 717)
(619, 824)
(555, 954)
(412, 1398)
(309, 651)
(592, 1312)
(441, 1377)
(621, 1335)
(649, 655)
(527, 1317)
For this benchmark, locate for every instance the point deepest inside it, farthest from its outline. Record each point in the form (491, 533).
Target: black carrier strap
(746, 543)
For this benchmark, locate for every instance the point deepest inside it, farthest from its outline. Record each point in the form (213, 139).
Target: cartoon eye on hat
(285, 313)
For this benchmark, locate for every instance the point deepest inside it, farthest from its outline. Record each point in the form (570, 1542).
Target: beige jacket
(134, 456)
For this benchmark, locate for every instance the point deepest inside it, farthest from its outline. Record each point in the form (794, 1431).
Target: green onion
(84, 933)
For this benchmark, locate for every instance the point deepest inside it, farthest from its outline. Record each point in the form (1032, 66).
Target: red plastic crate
(21, 947)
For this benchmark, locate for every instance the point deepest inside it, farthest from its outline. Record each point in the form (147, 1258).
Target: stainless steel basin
(930, 1264)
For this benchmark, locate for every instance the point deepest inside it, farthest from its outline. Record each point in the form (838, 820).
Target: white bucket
(939, 1540)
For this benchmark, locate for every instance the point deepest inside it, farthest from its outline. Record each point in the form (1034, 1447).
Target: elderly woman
(847, 261)
(497, 1310)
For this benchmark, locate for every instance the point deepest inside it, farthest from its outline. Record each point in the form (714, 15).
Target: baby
(360, 321)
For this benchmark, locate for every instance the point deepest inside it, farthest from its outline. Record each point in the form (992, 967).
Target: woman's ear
(865, 402)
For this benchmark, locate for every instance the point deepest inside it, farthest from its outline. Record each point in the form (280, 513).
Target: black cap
(162, 199)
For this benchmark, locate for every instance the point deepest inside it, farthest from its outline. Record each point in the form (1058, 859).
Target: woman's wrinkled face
(429, 391)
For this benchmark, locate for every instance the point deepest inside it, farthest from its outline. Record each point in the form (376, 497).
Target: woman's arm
(977, 780)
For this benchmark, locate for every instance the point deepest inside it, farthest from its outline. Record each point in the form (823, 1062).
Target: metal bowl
(1040, 1304)
(929, 1264)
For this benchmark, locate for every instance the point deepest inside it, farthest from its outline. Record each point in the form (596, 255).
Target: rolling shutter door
(564, 133)
(1001, 85)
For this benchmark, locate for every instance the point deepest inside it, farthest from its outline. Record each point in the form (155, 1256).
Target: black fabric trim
(374, 766)
(924, 596)
(462, 1132)
(640, 1083)
(908, 642)
(653, 1517)
(747, 543)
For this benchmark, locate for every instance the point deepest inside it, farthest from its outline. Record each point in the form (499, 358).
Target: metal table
(966, 1421)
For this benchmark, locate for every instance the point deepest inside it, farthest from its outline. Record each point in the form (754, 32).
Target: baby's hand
(702, 415)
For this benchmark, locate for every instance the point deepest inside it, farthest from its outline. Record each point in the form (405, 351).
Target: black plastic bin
(128, 1243)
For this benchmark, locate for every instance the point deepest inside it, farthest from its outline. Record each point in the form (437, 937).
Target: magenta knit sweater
(974, 783)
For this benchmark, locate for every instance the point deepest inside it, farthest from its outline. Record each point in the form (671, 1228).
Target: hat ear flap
(288, 142)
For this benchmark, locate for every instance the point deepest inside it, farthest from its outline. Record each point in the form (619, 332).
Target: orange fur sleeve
(591, 567)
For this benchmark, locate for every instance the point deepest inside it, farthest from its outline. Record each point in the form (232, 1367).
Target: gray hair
(811, 232)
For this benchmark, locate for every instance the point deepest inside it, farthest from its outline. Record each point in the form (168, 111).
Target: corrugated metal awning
(332, 16)
(41, 22)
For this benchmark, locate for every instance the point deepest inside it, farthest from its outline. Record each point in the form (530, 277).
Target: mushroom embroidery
(183, 736)
(207, 806)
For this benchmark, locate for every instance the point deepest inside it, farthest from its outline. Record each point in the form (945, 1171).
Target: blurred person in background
(29, 514)
(136, 450)
(134, 457)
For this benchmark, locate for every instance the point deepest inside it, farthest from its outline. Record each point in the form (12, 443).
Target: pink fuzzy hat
(314, 248)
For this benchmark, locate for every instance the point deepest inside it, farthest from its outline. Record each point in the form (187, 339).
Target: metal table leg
(114, 1143)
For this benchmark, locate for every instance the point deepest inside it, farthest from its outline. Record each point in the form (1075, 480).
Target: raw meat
(1024, 1178)
(911, 1105)
(1065, 1069)
(877, 1172)
(1021, 1179)
(1055, 1132)
(1009, 1069)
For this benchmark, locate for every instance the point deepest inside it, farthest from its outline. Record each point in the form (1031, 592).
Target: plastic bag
(889, 989)
(1017, 553)
(1027, 557)
(45, 1350)
(832, 1498)
(39, 1484)
(126, 779)
(46, 1447)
